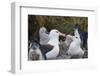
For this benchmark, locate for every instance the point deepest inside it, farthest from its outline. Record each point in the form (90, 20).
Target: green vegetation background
(62, 23)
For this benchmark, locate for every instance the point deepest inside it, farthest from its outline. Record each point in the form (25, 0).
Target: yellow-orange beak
(62, 34)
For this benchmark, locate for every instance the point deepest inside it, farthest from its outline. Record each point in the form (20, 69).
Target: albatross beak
(62, 34)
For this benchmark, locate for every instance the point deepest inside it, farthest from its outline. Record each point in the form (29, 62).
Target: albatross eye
(57, 31)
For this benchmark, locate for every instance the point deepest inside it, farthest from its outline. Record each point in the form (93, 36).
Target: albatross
(51, 49)
(44, 35)
(75, 50)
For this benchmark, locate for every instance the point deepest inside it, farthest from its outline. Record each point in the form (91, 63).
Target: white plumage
(74, 48)
(54, 41)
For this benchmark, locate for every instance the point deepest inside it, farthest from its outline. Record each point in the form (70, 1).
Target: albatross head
(43, 30)
(54, 36)
(77, 37)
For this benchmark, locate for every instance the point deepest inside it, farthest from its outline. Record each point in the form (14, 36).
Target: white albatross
(51, 49)
(75, 48)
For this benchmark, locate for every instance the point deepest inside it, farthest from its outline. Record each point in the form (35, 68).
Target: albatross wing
(46, 48)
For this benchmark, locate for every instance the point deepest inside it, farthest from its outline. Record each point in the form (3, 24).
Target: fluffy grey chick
(65, 44)
(44, 35)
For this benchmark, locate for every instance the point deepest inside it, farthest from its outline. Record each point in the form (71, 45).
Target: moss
(64, 24)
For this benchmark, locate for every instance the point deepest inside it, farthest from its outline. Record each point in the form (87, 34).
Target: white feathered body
(53, 53)
(54, 41)
(75, 48)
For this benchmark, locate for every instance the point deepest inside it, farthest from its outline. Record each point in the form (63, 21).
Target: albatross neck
(54, 41)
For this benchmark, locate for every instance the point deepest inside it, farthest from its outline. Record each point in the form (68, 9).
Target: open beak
(62, 34)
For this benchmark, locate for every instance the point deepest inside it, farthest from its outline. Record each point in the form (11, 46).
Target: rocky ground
(62, 54)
